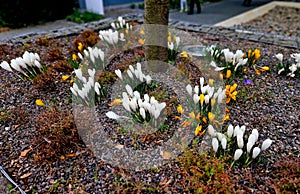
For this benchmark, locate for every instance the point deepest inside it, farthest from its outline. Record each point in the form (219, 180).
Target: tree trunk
(156, 33)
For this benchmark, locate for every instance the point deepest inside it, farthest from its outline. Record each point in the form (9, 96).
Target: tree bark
(156, 33)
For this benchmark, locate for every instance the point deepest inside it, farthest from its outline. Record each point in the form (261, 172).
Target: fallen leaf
(166, 155)
(25, 152)
(25, 175)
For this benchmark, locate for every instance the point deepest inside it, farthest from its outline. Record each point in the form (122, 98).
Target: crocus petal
(266, 144)
(112, 115)
(240, 141)
(215, 144)
(224, 143)
(255, 153)
(5, 66)
(189, 89)
(255, 133)
(211, 130)
(237, 154)
(230, 131)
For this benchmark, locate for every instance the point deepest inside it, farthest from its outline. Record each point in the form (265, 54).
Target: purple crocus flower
(247, 81)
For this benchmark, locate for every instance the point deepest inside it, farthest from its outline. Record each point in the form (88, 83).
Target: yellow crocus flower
(233, 87)
(265, 68)
(180, 109)
(256, 54)
(80, 46)
(65, 77)
(192, 115)
(39, 102)
(142, 32)
(228, 74)
(169, 39)
(211, 82)
(201, 99)
(74, 57)
(213, 101)
(184, 54)
(211, 116)
(198, 131)
(141, 41)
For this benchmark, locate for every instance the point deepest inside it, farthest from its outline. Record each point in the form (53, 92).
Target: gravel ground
(279, 20)
(269, 104)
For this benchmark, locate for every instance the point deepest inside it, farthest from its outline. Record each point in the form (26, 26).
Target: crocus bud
(237, 154)
(255, 153)
(266, 144)
(215, 144)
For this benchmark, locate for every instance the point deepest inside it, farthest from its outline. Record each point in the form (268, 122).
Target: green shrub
(82, 17)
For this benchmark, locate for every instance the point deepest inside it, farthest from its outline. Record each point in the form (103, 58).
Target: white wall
(95, 6)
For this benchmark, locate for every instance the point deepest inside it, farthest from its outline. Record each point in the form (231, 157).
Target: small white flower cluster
(237, 134)
(94, 54)
(232, 59)
(135, 74)
(293, 67)
(174, 45)
(133, 102)
(112, 36)
(121, 23)
(28, 64)
(86, 85)
(207, 91)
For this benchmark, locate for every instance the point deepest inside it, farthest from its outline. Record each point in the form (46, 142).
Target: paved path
(212, 13)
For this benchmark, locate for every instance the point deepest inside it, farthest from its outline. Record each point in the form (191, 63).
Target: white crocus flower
(211, 131)
(189, 89)
(206, 99)
(73, 91)
(280, 71)
(137, 94)
(5, 66)
(143, 113)
(122, 37)
(113, 25)
(255, 133)
(230, 131)
(170, 46)
(97, 87)
(224, 143)
(243, 128)
(215, 144)
(113, 115)
(129, 74)
(15, 66)
(228, 55)
(252, 138)
(148, 79)
(204, 89)
(255, 153)
(146, 98)
(201, 81)
(296, 56)
(196, 89)
(177, 40)
(237, 154)
(196, 98)
(91, 72)
(279, 56)
(240, 141)
(266, 144)
(129, 90)
(37, 64)
(249, 145)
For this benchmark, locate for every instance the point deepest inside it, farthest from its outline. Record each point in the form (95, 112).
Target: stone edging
(230, 32)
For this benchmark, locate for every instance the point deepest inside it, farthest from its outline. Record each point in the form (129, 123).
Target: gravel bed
(269, 104)
(279, 20)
